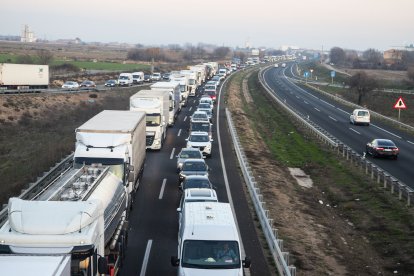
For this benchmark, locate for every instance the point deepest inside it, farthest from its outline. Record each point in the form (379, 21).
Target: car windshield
(194, 166)
(190, 154)
(196, 183)
(191, 82)
(204, 105)
(207, 254)
(385, 143)
(210, 87)
(153, 119)
(199, 138)
(200, 116)
(200, 127)
(206, 110)
(362, 113)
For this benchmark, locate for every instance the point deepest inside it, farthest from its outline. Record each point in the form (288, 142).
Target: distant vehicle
(147, 78)
(207, 99)
(207, 110)
(111, 83)
(217, 79)
(202, 126)
(137, 77)
(166, 76)
(156, 76)
(188, 153)
(87, 84)
(202, 106)
(283, 65)
(196, 181)
(276, 65)
(24, 76)
(200, 116)
(125, 79)
(360, 116)
(70, 85)
(200, 140)
(211, 94)
(193, 167)
(382, 147)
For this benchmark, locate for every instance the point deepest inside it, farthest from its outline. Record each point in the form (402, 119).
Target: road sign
(400, 104)
(306, 74)
(332, 74)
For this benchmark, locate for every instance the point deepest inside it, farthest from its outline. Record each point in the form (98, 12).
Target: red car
(382, 147)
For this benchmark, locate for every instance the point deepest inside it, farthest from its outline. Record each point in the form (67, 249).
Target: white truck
(199, 74)
(156, 106)
(138, 77)
(114, 138)
(175, 98)
(125, 79)
(208, 240)
(23, 76)
(183, 81)
(192, 81)
(215, 66)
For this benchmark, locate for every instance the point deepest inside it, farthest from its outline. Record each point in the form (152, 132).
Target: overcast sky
(350, 24)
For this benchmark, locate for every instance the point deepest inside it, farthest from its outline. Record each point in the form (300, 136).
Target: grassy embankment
(42, 136)
(386, 222)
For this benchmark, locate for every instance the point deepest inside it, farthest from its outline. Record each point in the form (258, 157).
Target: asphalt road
(153, 222)
(334, 118)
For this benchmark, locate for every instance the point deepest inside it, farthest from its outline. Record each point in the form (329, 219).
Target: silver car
(187, 153)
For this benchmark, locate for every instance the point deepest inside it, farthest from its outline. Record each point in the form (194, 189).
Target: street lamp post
(311, 70)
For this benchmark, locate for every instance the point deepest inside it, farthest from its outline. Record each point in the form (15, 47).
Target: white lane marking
(327, 103)
(297, 97)
(342, 110)
(162, 188)
(185, 118)
(317, 109)
(412, 143)
(190, 108)
(146, 257)
(355, 131)
(306, 102)
(172, 153)
(179, 132)
(333, 119)
(387, 131)
(310, 94)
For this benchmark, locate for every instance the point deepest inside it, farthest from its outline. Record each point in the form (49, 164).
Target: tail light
(379, 148)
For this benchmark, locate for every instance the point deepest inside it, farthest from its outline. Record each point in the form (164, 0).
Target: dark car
(147, 78)
(196, 181)
(382, 147)
(111, 83)
(193, 167)
(87, 84)
(166, 76)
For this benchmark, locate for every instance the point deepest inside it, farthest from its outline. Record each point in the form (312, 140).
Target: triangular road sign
(400, 104)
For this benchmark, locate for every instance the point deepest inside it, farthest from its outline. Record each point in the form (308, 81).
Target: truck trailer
(23, 76)
(115, 138)
(175, 98)
(155, 104)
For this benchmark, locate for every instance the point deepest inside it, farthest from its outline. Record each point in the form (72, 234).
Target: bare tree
(363, 84)
(373, 57)
(45, 56)
(337, 55)
(410, 73)
(221, 52)
(24, 59)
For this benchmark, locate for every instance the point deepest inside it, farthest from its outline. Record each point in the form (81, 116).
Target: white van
(125, 79)
(360, 116)
(208, 241)
(138, 77)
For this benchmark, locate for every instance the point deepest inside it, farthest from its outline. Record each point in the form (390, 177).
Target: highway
(153, 222)
(334, 118)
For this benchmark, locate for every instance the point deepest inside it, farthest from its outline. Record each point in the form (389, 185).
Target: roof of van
(209, 221)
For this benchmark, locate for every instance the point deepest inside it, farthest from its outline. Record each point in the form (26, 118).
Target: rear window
(386, 143)
(363, 113)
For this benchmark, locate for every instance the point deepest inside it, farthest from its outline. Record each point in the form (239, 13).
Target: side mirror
(247, 262)
(178, 210)
(211, 140)
(175, 261)
(103, 266)
(131, 168)
(131, 177)
(186, 139)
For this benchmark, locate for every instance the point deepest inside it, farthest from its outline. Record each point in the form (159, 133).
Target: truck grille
(149, 140)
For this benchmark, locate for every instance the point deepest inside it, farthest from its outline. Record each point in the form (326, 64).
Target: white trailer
(183, 81)
(115, 138)
(199, 74)
(155, 104)
(175, 98)
(192, 81)
(215, 66)
(24, 76)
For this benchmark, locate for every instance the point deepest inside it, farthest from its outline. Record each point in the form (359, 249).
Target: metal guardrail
(34, 188)
(275, 245)
(375, 172)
